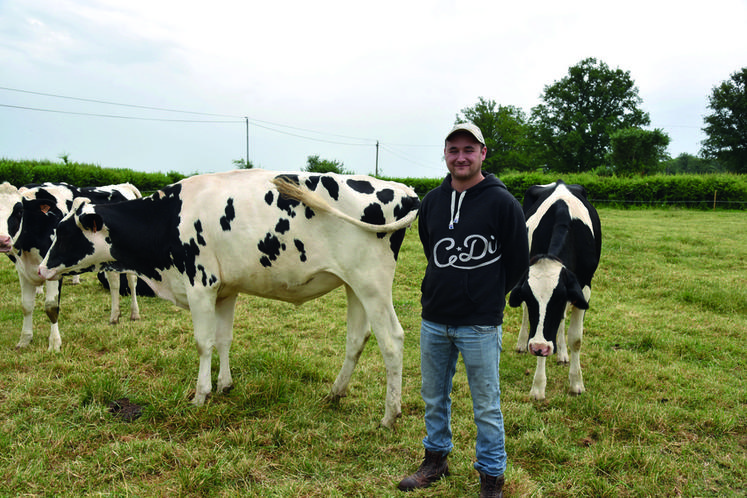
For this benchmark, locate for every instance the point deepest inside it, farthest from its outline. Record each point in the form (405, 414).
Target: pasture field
(664, 364)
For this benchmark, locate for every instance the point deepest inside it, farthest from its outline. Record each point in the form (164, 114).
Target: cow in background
(565, 243)
(9, 197)
(32, 225)
(286, 236)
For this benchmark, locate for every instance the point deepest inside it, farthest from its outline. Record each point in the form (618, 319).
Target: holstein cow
(287, 236)
(32, 225)
(565, 242)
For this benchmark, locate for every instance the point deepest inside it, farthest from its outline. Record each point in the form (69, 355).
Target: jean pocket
(485, 329)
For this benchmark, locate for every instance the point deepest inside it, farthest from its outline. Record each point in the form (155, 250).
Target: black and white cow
(286, 236)
(565, 242)
(32, 226)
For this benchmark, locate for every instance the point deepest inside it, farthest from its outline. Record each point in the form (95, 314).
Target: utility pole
(377, 158)
(246, 120)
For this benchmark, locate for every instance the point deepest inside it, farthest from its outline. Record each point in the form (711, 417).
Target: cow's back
(562, 223)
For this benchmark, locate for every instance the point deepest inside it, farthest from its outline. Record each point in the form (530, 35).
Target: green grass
(665, 412)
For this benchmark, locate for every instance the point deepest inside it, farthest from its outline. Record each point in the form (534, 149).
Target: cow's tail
(292, 190)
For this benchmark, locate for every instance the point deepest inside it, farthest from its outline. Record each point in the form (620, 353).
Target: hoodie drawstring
(455, 216)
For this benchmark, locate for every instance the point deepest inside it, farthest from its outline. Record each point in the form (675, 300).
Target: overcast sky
(330, 78)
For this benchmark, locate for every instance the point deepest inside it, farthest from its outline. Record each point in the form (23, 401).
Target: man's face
(464, 156)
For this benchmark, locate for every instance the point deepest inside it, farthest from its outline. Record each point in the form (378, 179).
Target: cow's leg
(523, 339)
(540, 380)
(224, 310)
(52, 309)
(28, 299)
(134, 307)
(113, 279)
(560, 339)
(359, 330)
(204, 320)
(575, 335)
(391, 338)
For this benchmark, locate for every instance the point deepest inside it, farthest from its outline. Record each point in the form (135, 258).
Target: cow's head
(545, 290)
(80, 243)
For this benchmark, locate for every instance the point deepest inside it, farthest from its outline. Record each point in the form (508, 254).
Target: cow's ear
(517, 296)
(574, 292)
(45, 207)
(92, 222)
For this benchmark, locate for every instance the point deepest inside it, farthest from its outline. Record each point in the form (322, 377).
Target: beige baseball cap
(470, 128)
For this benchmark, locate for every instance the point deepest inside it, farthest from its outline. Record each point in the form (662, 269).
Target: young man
(475, 240)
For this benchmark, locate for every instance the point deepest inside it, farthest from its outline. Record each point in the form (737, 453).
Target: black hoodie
(476, 245)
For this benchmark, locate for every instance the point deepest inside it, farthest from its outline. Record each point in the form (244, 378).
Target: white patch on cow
(543, 279)
(561, 193)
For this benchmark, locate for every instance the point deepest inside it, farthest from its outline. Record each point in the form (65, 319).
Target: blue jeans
(480, 347)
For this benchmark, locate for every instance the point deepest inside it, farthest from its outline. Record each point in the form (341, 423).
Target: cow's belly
(295, 291)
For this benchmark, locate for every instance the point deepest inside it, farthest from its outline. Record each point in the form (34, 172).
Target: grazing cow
(565, 242)
(32, 225)
(292, 237)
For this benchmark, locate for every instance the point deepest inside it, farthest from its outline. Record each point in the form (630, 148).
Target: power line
(268, 125)
(81, 99)
(90, 114)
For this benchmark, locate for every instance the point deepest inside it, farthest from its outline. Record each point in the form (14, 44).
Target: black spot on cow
(207, 280)
(282, 226)
(271, 247)
(198, 230)
(290, 178)
(269, 197)
(312, 182)
(373, 214)
(288, 205)
(309, 213)
(361, 186)
(301, 248)
(332, 187)
(228, 217)
(406, 205)
(385, 196)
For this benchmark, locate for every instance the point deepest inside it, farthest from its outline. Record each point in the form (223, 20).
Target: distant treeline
(723, 190)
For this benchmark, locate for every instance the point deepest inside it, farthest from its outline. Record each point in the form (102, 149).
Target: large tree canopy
(505, 133)
(726, 127)
(572, 126)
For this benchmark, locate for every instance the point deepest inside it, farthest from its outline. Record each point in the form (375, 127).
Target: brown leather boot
(433, 468)
(491, 487)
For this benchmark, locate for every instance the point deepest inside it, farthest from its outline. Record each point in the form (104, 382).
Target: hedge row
(727, 191)
(20, 173)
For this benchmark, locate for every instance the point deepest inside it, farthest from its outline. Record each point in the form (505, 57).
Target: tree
(726, 127)
(687, 163)
(316, 165)
(637, 151)
(572, 126)
(242, 164)
(505, 133)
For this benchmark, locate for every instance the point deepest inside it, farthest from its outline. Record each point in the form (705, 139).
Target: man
(475, 240)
